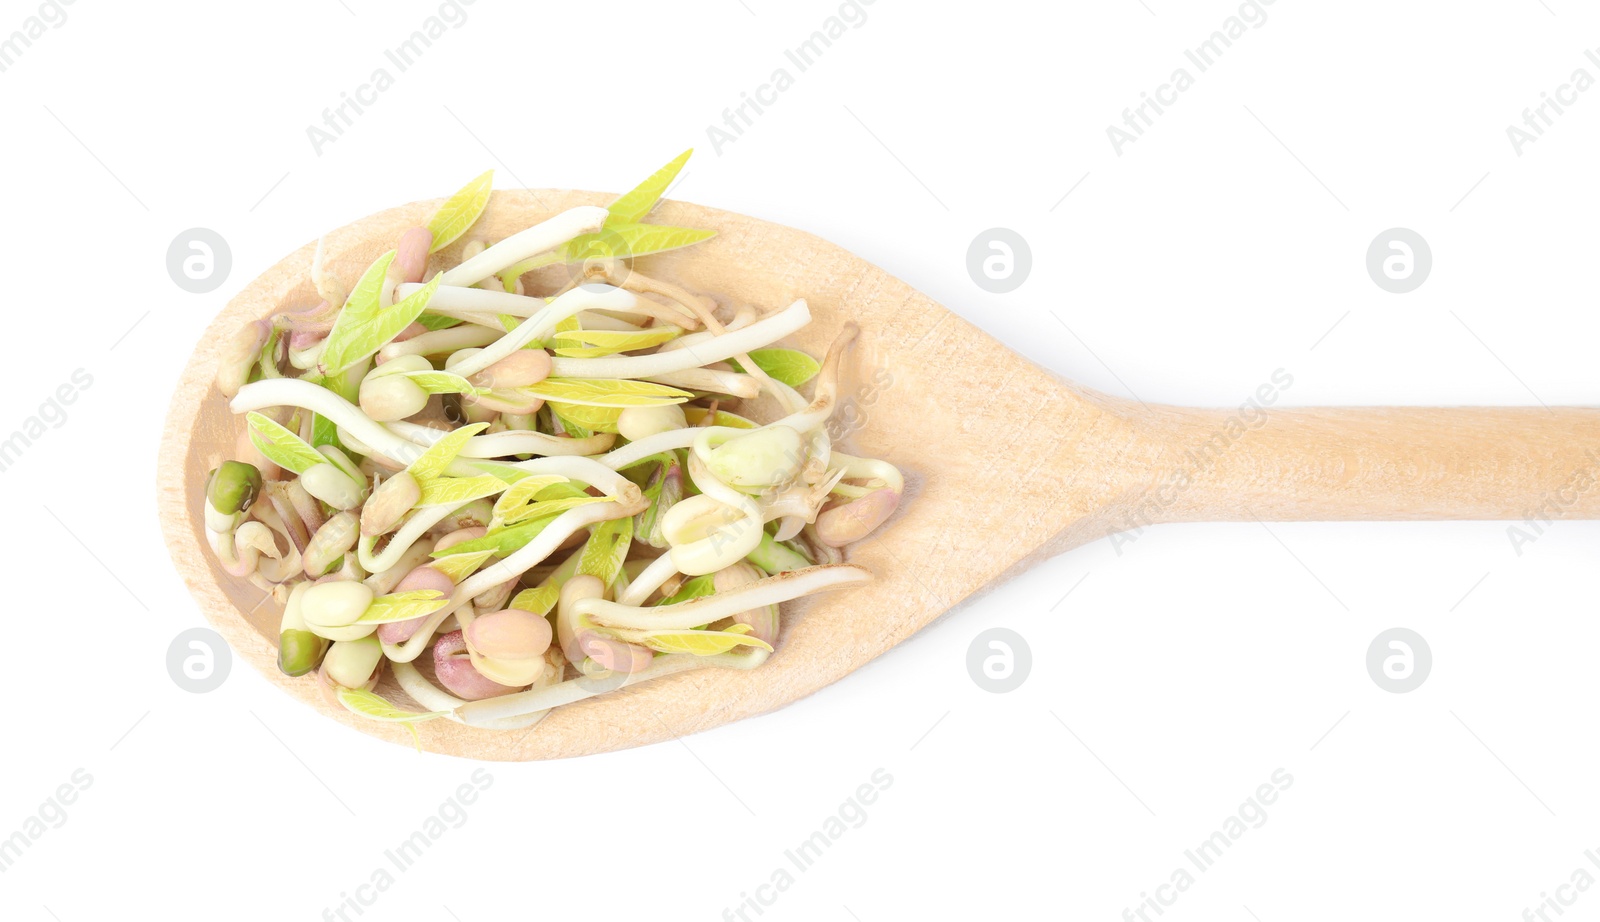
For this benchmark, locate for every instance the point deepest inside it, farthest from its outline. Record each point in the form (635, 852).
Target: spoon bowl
(1005, 465)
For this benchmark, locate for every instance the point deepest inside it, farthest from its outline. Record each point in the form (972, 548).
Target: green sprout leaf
(367, 704)
(501, 543)
(624, 241)
(374, 707)
(606, 392)
(579, 419)
(453, 491)
(695, 588)
(433, 462)
(790, 366)
(637, 203)
(281, 446)
(588, 344)
(460, 212)
(699, 643)
(363, 327)
(539, 601)
(509, 276)
(693, 415)
(548, 508)
(526, 490)
(443, 382)
(438, 321)
(606, 549)
(403, 606)
(460, 566)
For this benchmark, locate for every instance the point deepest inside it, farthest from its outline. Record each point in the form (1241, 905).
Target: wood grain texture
(1058, 465)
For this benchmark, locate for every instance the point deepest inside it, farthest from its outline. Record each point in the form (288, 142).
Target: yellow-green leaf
(701, 643)
(594, 419)
(460, 212)
(499, 543)
(603, 554)
(281, 446)
(403, 606)
(362, 327)
(439, 455)
(606, 392)
(624, 241)
(451, 491)
(539, 601)
(524, 491)
(443, 382)
(589, 344)
(693, 415)
(460, 566)
(643, 197)
(549, 507)
(791, 366)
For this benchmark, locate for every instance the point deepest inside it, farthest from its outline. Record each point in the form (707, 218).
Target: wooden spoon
(957, 412)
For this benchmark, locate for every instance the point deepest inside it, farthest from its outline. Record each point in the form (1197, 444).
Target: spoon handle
(1373, 463)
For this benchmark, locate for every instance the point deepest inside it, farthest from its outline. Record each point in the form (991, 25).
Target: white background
(1173, 681)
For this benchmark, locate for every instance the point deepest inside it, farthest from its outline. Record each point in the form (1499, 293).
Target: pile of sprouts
(513, 500)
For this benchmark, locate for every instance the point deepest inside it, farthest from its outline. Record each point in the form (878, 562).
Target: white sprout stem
(435, 342)
(684, 616)
(510, 442)
(431, 698)
(539, 326)
(384, 581)
(792, 403)
(649, 580)
(634, 452)
(415, 527)
(763, 332)
(296, 392)
(869, 469)
(744, 318)
(475, 300)
(710, 379)
(595, 320)
(520, 561)
(534, 700)
(589, 471)
(540, 238)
